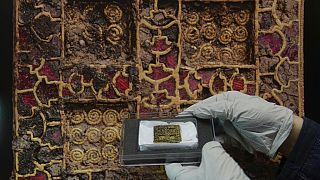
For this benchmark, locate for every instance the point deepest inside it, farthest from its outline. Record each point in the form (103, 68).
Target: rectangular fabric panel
(82, 66)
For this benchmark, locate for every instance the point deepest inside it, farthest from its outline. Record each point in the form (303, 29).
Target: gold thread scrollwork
(113, 13)
(226, 20)
(239, 53)
(77, 136)
(78, 117)
(192, 34)
(124, 114)
(226, 36)
(240, 34)
(207, 15)
(208, 51)
(114, 33)
(94, 117)
(192, 18)
(226, 54)
(209, 31)
(92, 32)
(242, 17)
(109, 152)
(76, 155)
(110, 117)
(93, 135)
(93, 155)
(109, 134)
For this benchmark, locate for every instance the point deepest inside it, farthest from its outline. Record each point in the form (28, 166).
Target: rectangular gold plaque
(167, 134)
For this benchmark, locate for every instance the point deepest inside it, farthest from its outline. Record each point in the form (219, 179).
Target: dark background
(311, 61)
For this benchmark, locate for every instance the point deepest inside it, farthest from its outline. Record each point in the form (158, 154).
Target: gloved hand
(215, 164)
(257, 124)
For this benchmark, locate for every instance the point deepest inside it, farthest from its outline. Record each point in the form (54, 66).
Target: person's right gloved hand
(256, 123)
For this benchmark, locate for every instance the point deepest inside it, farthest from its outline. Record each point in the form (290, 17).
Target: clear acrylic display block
(131, 154)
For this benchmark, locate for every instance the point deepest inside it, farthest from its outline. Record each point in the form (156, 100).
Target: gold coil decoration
(208, 51)
(94, 117)
(192, 34)
(87, 10)
(109, 152)
(240, 34)
(114, 33)
(206, 15)
(124, 114)
(226, 20)
(192, 18)
(239, 53)
(76, 155)
(93, 135)
(110, 117)
(77, 117)
(113, 13)
(110, 134)
(209, 31)
(242, 17)
(93, 156)
(226, 36)
(77, 136)
(92, 32)
(226, 54)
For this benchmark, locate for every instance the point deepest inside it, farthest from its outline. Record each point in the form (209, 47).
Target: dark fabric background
(311, 70)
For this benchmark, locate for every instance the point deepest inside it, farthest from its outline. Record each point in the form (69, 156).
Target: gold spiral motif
(77, 136)
(78, 117)
(226, 36)
(240, 34)
(92, 32)
(109, 152)
(226, 54)
(239, 53)
(192, 34)
(192, 18)
(110, 117)
(208, 51)
(124, 114)
(209, 31)
(94, 117)
(113, 13)
(93, 155)
(226, 20)
(76, 155)
(93, 135)
(114, 33)
(110, 134)
(206, 15)
(242, 17)
(88, 9)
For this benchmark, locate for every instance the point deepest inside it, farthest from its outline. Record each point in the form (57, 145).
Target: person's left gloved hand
(215, 164)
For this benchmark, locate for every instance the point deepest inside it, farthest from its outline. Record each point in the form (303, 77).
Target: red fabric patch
(122, 83)
(218, 85)
(238, 84)
(170, 60)
(37, 177)
(170, 86)
(28, 99)
(182, 75)
(158, 73)
(183, 94)
(160, 45)
(206, 75)
(48, 71)
(193, 83)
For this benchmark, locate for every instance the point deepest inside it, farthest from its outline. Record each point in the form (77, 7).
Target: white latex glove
(257, 124)
(215, 164)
